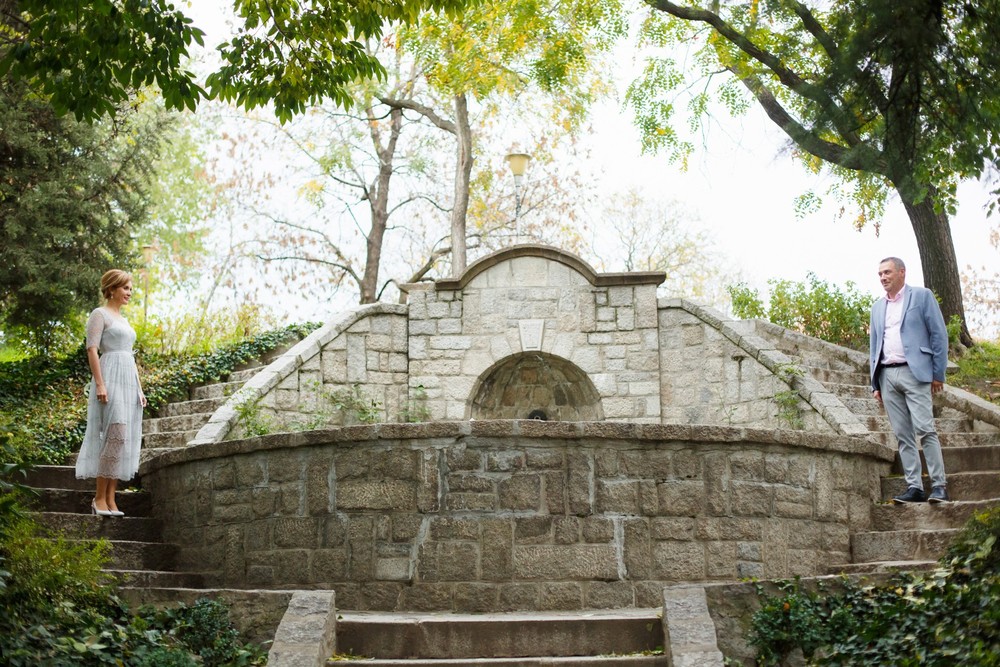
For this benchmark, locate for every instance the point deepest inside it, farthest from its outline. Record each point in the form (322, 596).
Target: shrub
(814, 307)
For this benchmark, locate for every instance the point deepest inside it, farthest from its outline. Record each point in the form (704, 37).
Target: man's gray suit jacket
(925, 338)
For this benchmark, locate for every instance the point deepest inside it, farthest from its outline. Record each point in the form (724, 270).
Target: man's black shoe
(912, 495)
(939, 495)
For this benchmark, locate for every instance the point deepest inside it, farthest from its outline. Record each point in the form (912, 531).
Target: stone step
(216, 390)
(851, 390)
(880, 567)
(77, 501)
(200, 406)
(899, 545)
(89, 526)
(947, 439)
(56, 477)
(158, 578)
(512, 635)
(244, 374)
(132, 555)
(584, 661)
(863, 407)
(984, 458)
(962, 486)
(827, 375)
(190, 422)
(169, 440)
(945, 425)
(932, 516)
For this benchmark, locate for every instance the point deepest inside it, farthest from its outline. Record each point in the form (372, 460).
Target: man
(908, 355)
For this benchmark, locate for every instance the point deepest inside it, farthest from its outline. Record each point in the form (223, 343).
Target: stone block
(678, 561)
(681, 497)
(609, 595)
(460, 458)
(729, 528)
(673, 528)
(520, 492)
(518, 597)
(555, 562)
(720, 560)
(448, 561)
(471, 502)
(579, 483)
(556, 596)
(393, 569)
(637, 555)
(453, 528)
(616, 497)
(292, 532)
(505, 461)
(475, 597)
(566, 530)
(533, 529)
(752, 499)
(496, 539)
(328, 565)
(394, 495)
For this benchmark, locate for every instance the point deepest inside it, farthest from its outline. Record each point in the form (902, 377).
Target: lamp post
(518, 163)
(147, 259)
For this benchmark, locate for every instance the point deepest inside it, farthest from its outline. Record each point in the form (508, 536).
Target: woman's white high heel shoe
(93, 508)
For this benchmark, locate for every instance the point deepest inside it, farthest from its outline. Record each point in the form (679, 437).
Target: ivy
(43, 401)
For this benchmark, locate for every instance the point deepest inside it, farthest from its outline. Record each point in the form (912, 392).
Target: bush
(943, 618)
(44, 410)
(814, 308)
(56, 608)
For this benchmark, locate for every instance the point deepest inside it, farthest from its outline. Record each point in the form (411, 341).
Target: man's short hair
(896, 261)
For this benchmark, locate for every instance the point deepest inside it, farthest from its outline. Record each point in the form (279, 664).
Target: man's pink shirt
(892, 340)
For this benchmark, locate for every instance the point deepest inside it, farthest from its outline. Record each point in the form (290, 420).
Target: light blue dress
(114, 429)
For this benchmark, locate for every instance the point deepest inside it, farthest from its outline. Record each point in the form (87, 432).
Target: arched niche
(526, 382)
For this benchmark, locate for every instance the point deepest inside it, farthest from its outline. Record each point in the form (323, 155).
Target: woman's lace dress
(114, 429)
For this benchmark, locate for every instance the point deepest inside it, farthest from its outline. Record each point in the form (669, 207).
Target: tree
(638, 234)
(71, 197)
(89, 56)
(884, 95)
(496, 50)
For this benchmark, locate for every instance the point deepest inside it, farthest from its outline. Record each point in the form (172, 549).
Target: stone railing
(507, 515)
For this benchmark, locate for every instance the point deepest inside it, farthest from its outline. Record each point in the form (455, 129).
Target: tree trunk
(463, 177)
(938, 260)
(378, 206)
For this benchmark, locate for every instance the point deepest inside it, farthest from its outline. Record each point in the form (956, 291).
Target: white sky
(742, 187)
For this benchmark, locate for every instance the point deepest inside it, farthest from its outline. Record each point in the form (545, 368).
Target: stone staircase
(139, 558)
(910, 536)
(613, 638)
(178, 422)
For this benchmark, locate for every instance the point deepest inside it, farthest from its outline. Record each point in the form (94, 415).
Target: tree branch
(423, 110)
(858, 157)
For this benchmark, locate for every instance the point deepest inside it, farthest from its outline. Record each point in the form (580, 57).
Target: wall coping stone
(307, 634)
(556, 255)
(689, 634)
(826, 403)
(625, 433)
(225, 417)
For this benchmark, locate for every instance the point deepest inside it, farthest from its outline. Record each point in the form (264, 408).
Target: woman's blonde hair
(112, 280)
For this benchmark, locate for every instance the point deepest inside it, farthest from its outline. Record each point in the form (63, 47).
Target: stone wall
(708, 379)
(492, 516)
(537, 299)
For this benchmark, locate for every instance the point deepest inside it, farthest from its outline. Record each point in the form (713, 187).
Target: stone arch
(530, 381)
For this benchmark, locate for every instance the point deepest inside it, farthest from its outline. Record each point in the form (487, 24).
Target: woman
(110, 450)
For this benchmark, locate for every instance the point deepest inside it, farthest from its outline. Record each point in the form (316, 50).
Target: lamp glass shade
(147, 253)
(518, 163)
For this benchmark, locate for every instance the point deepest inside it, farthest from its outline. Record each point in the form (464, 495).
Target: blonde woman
(110, 450)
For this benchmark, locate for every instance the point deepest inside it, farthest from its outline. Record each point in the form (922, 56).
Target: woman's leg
(109, 494)
(101, 497)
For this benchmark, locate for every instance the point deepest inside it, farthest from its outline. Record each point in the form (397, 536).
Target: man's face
(892, 278)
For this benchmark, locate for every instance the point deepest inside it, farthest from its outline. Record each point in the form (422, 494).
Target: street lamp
(518, 163)
(147, 259)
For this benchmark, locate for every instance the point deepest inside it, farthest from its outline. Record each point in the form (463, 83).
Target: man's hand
(936, 386)
(878, 396)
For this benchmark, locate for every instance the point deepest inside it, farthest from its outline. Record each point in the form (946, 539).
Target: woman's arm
(95, 368)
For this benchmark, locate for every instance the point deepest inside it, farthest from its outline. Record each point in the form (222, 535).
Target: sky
(741, 187)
